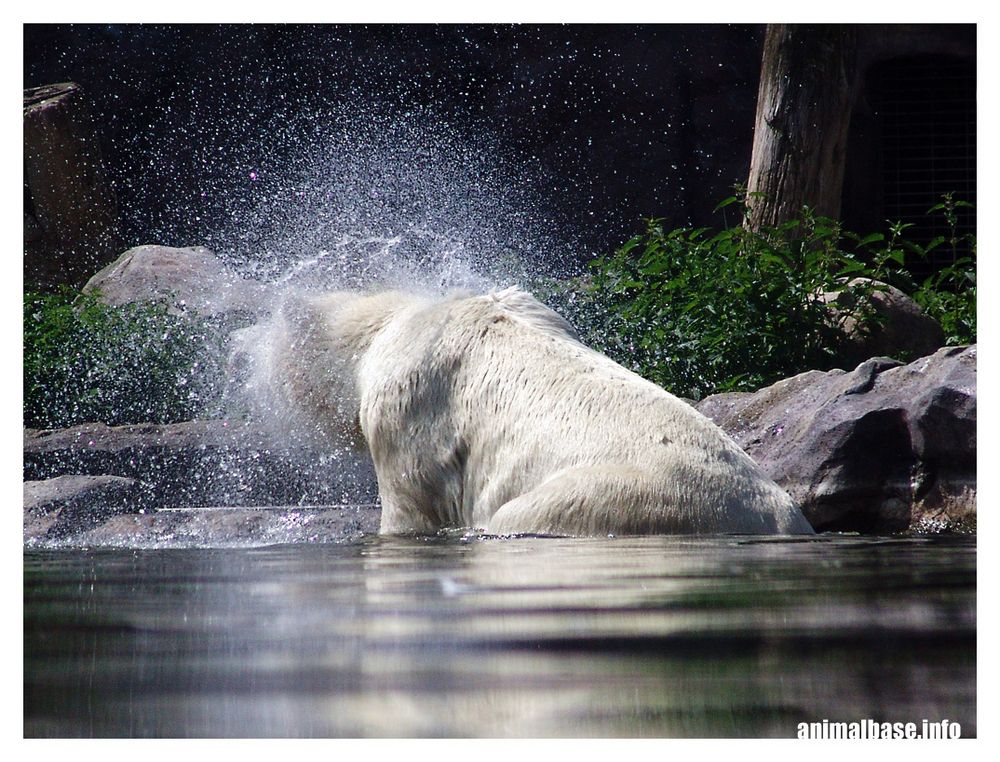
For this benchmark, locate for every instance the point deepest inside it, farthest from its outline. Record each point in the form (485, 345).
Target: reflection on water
(486, 637)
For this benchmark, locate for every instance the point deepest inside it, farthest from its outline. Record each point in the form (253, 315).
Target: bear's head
(325, 339)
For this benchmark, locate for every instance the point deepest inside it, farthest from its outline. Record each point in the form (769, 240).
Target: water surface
(528, 637)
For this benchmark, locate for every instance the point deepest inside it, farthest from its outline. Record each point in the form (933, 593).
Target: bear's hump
(526, 308)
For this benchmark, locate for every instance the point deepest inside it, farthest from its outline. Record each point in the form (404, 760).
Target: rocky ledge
(95, 523)
(886, 447)
(98, 484)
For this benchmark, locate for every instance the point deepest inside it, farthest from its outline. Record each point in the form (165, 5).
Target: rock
(901, 328)
(71, 504)
(202, 463)
(221, 527)
(884, 448)
(189, 279)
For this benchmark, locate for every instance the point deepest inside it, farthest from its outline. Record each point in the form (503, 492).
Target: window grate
(927, 109)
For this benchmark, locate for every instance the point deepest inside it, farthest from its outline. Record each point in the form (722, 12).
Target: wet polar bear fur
(488, 412)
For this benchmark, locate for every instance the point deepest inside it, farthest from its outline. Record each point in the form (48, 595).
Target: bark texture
(69, 208)
(807, 86)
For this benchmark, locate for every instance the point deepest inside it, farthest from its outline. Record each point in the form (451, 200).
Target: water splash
(355, 198)
(367, 197)
(368, 201)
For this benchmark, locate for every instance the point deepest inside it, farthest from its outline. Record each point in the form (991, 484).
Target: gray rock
(886, 447)
(190, 279)
(202, 463)
(901, 328)
(74, 503)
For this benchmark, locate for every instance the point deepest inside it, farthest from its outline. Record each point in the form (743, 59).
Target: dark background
(601, 125)
(613, 122)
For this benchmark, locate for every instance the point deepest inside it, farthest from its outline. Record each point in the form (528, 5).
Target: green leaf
(934, 243)
(871, 238)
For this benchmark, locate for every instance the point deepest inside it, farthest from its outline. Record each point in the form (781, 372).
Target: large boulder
(202, 463)
(190, 279)
(900, 328)
(885, 447)
(74, 503)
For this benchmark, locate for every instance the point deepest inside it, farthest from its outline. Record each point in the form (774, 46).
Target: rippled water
(459, 636)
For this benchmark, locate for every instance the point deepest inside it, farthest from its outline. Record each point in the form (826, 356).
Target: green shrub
(87, 361)
(700, 312)
(950, 293)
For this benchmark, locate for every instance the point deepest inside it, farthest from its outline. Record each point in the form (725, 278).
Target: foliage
(700, 312)
(950, 293)
(87, 361)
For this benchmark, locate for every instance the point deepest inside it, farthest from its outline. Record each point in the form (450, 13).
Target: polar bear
(487, 411)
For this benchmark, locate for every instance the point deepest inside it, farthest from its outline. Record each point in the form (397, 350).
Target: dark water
(486, 637)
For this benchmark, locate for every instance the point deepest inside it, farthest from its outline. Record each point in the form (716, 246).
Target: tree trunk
(70, 219)
(807, 85)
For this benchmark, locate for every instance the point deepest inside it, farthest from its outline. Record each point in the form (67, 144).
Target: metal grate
(927, 109)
